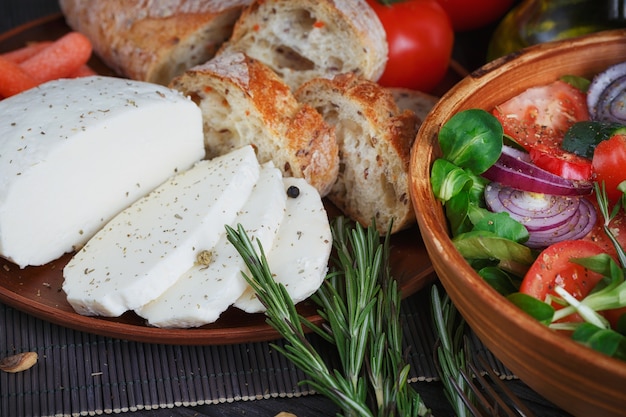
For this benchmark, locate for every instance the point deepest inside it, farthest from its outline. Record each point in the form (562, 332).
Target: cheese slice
(205, 291)
(299, 256)
(75, 152)
(145, 248)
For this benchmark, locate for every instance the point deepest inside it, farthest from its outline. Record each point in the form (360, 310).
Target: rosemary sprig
(451, 352)
(360, 303)
(608, 215)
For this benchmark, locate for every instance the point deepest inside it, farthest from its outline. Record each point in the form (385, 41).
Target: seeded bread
(244, 102)
(418, 102)
(152, 40)
(304, 39)
(374, 138)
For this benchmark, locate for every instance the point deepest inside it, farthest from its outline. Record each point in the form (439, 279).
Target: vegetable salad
(533, 191)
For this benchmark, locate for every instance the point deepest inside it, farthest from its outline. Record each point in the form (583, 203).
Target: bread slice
(418, 102)
(153, 40)
(374, 139)
(244, 102)
(304, 39)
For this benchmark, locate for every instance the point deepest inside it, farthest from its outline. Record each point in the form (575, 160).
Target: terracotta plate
(37, 290)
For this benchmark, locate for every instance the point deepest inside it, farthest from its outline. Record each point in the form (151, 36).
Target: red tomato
(560, 162)
(542, 115)
(473, 14)
(420, 38)
(553, 267)
(614, 315)
(600, 238)
(609, 164)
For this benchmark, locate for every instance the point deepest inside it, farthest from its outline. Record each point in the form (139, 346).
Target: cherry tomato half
(562, 163)
(553, 267)
(420, 38)
(609, 164)
(614, 316)
(542, 114)
(617, 226)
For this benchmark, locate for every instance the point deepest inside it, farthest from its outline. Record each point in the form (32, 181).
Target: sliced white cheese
(145, 248)
(205, 291)
(299, 256)
(75, 152)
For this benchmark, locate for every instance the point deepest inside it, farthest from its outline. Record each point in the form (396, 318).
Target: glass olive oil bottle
(537, 21)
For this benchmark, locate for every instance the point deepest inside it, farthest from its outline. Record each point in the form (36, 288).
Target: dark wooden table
(469, 51)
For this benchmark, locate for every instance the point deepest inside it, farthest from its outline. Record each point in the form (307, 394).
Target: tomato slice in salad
(614, 316)
(598, 236)
(609, 164)
(542, 114)
(553, 267)
(562, 163)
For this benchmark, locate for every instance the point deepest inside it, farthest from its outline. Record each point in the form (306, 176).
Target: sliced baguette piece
(207, 289)
(153, 40)
(145, 248)
(374, 139)
(299, 256)
(304, 39)
(244, 102)
(418, 102)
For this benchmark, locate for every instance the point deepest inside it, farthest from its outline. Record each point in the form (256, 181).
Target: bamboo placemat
(84, 374)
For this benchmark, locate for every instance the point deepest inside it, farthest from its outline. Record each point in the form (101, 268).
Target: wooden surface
(469, 50)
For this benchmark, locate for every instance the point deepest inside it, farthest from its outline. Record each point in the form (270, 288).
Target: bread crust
(153, 40)
(374, 138)
(304, 39)
(245, 102)
(417, 101)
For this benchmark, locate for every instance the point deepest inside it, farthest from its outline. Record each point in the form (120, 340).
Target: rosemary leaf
(451, 352)
(603, 204)
(360, 304)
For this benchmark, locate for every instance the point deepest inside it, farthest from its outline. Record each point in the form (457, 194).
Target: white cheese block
(299, 256)
(145, 248)
(205, 291)
(75, 152)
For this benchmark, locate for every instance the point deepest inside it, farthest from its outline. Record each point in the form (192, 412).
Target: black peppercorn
(293, 191)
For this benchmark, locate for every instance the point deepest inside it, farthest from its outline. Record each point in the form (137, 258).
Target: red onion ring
(548, 218)
(515, 169)
(579, 226)
(607, 94)
(534, 210)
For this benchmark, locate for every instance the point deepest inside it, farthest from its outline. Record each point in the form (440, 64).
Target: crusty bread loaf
(304, 39)
(245, 102)
(418, 102)
(374, 139)
(151, 40)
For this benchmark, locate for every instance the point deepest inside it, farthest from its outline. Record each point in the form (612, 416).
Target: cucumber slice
(583, 137)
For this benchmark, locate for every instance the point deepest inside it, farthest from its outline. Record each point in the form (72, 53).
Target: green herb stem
(451, 352)
(360, 303)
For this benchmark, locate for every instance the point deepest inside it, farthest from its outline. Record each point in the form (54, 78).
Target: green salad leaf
(499, 280)
(472, 139)
(471, 142)
(606, 341)
(539, 310)
(448, 180)
(487, 245)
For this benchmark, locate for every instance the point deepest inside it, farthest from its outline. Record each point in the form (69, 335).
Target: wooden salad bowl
(574, 377)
